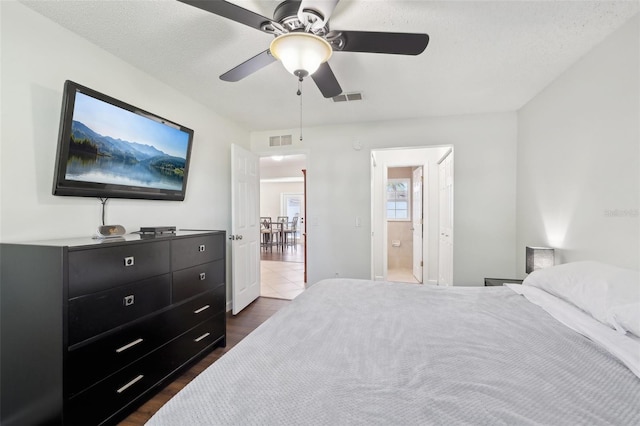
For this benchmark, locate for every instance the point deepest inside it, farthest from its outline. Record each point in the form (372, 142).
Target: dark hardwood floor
(289, 254)
(238, 327)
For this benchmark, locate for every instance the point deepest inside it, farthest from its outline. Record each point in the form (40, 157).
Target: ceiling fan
(304, 42)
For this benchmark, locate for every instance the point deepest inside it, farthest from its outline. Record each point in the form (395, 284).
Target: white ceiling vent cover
(283, 140)
(348, 97)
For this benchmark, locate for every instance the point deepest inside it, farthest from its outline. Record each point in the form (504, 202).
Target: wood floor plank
(238, 327)
(287, 255)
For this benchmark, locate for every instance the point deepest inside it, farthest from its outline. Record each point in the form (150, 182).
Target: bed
(357, 352)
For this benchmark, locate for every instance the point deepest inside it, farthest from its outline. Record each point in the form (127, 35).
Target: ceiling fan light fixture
(301, 53)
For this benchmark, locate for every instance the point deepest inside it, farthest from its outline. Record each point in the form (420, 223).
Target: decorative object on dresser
(92, 328)
(500, 281)
(157, 230)
(538, 258)
(110, 231)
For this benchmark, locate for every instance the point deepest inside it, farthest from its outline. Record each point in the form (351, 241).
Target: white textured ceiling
(483, 56)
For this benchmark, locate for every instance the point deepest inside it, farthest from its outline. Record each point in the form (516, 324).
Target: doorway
(418, 243)
(282, 254)
(404, 224)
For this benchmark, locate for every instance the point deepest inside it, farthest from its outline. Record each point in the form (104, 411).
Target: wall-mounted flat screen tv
(110, 149)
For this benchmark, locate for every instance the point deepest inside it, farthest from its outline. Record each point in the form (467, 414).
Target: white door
(293, 205)
(245, 228)
(417, 221)
(445, 184)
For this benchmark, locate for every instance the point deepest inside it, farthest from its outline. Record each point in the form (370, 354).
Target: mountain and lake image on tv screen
(110, 145)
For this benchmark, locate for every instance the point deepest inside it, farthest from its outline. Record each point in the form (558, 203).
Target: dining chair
(277, 235)
(265, 232)
(291, 231)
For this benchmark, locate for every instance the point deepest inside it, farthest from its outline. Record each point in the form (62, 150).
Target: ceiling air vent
(283, 140)
(345, 97)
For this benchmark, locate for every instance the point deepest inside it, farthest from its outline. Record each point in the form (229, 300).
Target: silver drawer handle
(129, 345)
(204, 308)
(129, 261)
(203, 276)
(131, 383)
(202, 247)
(201, 337)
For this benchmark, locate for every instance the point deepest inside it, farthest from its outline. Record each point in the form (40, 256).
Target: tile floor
(282, 280)
(401, 275)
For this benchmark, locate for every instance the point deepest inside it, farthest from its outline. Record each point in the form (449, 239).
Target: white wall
(578, 158)
(339, 191)
(271, 196)
(283, 170)
(37, 57)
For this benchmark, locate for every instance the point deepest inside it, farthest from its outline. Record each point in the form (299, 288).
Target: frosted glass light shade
(300, 52)
(538, 258)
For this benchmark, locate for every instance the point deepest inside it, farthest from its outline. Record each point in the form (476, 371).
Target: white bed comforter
(361, 352)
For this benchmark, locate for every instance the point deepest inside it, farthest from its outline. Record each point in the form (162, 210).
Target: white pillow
(594, 287)
(626, 318)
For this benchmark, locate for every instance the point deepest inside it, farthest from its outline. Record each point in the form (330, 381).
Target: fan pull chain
(299, 93)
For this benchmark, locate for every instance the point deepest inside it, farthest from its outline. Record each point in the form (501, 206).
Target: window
(398, 201)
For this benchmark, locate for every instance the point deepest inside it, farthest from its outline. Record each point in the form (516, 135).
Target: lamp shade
(539, 257)
(301, 53)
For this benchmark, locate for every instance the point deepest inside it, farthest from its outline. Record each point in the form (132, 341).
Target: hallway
(281, 280)
(282, 272)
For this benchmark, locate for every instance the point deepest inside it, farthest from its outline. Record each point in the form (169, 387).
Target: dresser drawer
(97, 360)
(115, 393)
(192, 281)
(187, 252)
(102, 268)
(99, 312)
(195, 341)
(196, 310)
(122, 388)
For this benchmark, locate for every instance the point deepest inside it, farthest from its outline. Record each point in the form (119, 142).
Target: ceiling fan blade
(378, 42)
(233, 12)
(326, 81)
(249, 66)
(324, 8)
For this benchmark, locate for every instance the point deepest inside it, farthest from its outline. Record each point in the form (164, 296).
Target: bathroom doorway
(406, 215)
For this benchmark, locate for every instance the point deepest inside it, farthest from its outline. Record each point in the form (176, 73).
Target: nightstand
(500, 281)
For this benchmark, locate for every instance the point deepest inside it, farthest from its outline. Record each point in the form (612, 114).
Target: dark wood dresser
(90, 328)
